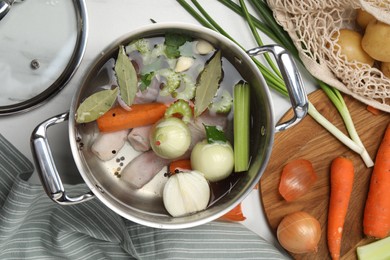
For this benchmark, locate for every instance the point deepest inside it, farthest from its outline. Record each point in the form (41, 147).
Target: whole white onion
(186, 193)
(170, 138)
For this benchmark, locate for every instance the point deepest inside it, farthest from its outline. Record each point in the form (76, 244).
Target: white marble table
(109, 19)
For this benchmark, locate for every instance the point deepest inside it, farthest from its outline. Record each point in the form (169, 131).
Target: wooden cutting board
(310, 141)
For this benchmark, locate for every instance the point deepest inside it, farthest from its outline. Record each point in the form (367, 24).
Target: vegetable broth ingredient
(182, 165)
(208, 83)
(235, 214)
(214, 134)
(126, 77)
(186, 193)
(107, 145)
(215, 161)
(172, 81)
(189, 86)
(96, 105)
(223, 105)
(172, 42)
(298, 176)
(299, 233)
(180, 107)
(341, 183)
(183, 63)
(376, 41)
(376, 220)
(119, 118)
(204, 47)
(378, 250)
(350, 46)
(241, 126)
(139, 138)
(142, 169)
(170, 138)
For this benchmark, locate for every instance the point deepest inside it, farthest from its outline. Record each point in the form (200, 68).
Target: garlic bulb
(186, 193)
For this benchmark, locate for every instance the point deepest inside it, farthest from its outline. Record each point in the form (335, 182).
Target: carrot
(179, 165)
(376, 219)
(341, 182)
(119, 118)
(373, 110)
(234, 215)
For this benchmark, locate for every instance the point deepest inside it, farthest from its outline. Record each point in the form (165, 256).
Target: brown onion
(299, 232)
(297, 177)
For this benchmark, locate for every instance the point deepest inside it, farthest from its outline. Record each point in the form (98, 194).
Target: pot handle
(46, 167)
(293, 81)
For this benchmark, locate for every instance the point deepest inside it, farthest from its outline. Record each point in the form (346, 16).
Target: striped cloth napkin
(34, 227)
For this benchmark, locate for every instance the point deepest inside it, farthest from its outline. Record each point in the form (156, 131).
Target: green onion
(241, 123)
(272, 29)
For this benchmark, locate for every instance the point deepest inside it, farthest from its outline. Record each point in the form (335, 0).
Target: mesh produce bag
(311, 23)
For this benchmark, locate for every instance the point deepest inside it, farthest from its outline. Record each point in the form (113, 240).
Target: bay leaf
(96, 105)
(126, 77)
(208, 83)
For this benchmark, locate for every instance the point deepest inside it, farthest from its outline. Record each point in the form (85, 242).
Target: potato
(385, 68)
(350, 43)
(363, 18)
(376, 41)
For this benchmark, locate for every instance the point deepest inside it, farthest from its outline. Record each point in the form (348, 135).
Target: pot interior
(145, 205)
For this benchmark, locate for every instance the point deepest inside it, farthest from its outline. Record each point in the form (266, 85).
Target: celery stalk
(378, 250)
(241, 106)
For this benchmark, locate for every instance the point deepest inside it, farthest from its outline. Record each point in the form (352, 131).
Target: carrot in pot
(119, 118)
(179, 165)
(341, 182)
(376, 219)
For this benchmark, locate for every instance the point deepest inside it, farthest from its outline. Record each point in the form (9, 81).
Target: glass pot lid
(41, 45)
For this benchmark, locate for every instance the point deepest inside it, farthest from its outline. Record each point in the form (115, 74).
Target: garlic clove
(204, 47)
(186, 193)
(183, 63)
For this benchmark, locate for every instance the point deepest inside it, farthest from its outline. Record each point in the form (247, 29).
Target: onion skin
(297, 178)
(299, 233)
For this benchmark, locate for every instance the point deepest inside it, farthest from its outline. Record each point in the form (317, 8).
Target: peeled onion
(215, 161)
(299, 233)
(297, 178)
(170, 138)
(186, 193)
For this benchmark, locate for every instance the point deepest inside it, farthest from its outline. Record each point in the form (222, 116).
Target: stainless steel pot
(144, 206)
